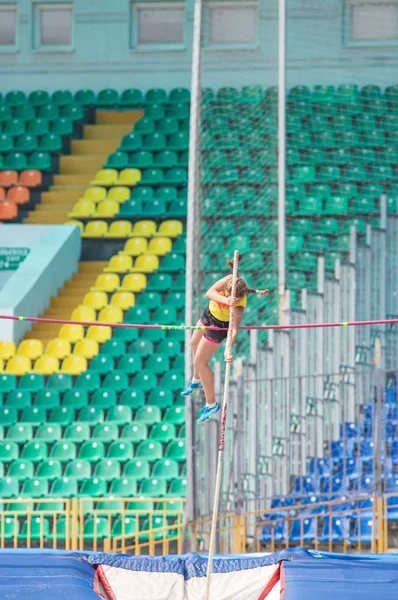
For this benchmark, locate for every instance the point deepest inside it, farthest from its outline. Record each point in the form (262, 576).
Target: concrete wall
(101, 54)
(53, 258)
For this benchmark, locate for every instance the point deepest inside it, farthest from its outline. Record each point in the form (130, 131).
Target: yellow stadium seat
(96, 193)
(72, 333)
(107, 208)
(119, 194)
(134, 282)
(146, 263)
(95, 229)
(30, 348)
(119, 229)
(76, 224)
(46, 365)
(123, 299)
(106, 282)
(160, 246)
(1, 365)
(83, 313)
(129, 177)
(135, 246)
(18, 365)
(170, 229)
(86, 348)
(100, 333)
(7, 349)
(119, 264)
(83, 208)
(95, 299)
(111, 314)
(144, 229)
(74, 364)
(105, 177)
(59, 347)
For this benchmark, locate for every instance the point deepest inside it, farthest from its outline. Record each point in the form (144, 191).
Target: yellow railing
(25, 523)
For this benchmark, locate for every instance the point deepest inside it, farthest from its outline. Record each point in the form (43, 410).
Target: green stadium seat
(38, 98)
(51, 469)
(365, 122)
(351, 108)
(323, 139)
(143, 347)
(20, 433)
(137, 469)
(119, 414)
(77, 470)
(34, 451)
(173, 380)
(60, 381)
(62, 97)
(62, 415)
(172, 262)
(64, 127)
(161, 398)
(93, 487)
(121, 450)
(75, 399)
(15, 161)
(35, 488)
(131, 98)
(176, 450)
(93, 451)
(15, 98)
(327, 226)
(300, 139)
(77, 432)
(108, 98)
(317, 243)
(142, 159)
(19, 469)
(341, 123)
(49, 433)
(135, 432)
(388, 122)
(9, 487)
(114, 347)
(73, 112)
(131, 142)
(363, 205)
(305, 261)
(64, 487)
(117, 381)
(300, 226)
(47, 399)
(151, 450)
(103, 398)
(339, 156)
(341, 243)
(359, 223)
(311, 205)
(355, 173)
(375, 106)
(26, 143)
(91, 414)
(373, 138)
(328, 173)
(304, 174)
(35, 528)
(117, 160)
(49, 112)
(14, 127)
(39, 127)
(148, 414)
(124, 486)
(6, 142)
(317, 123)
(387, 156)
(105, 432)
(163, 432)
(88, 382)
(102, 364)
(132, 398)
(153, 487)
(64, 451)
(382, 172)
(51, 142)
(18, 398)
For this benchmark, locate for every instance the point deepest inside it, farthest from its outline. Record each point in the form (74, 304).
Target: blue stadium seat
(335, 529)
(302, 530)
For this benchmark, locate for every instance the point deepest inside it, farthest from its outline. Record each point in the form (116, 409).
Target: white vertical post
(193, 213)
(282, 160)
(224, 410)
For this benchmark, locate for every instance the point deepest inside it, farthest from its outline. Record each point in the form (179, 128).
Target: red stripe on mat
(105, 583)
(276, 577)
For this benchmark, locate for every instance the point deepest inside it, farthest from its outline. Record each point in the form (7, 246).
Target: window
(53, 25)
(231, 23)
(158, 24)
(374, 22)
(8, 24)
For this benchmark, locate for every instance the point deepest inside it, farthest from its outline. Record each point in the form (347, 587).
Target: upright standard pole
(282, 161)
(222, 434)
(191, 262)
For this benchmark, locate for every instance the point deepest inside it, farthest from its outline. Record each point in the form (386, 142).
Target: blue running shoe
(207, 412)
(192, 387)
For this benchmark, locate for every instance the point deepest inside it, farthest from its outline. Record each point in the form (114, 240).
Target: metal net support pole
(282, 161)
(192, 255)
(222, 434)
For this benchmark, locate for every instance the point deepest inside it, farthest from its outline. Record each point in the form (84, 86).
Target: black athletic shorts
(212, 335)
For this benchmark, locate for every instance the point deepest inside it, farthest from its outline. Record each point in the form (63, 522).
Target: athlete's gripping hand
(263, 292)
(228, 357)
(230, 301)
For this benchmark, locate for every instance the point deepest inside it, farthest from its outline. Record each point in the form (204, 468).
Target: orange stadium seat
(8, 178)
(30, 178)
(19, 194)
(2, 194)
(8, 210)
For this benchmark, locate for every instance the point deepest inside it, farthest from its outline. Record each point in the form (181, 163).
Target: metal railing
(118, 524)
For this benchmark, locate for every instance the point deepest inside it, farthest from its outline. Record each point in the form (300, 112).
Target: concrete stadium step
(59, 196)
(44, 219)
(106, 132)
(120, 117)
(93, 147)
(74, 180)
(81, 164)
